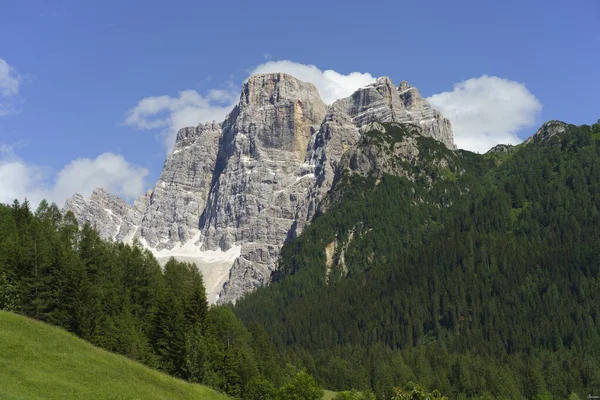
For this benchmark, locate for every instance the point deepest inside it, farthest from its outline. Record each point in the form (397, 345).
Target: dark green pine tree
(168, 334)
(196, 310)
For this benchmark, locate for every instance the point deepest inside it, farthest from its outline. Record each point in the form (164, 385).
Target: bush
(9, 294)
(416, 392)
(354, 395)
(260, 389)
(301, 387)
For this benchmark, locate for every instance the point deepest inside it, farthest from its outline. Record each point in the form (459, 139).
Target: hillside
(472, 274)
(40, 361)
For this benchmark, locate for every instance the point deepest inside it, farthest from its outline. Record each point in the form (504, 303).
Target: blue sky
(74, 74)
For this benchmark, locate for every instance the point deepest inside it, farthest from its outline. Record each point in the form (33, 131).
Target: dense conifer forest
(477, 279)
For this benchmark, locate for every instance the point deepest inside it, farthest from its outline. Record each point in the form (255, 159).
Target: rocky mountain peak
(411, 97)
(404, 86)
(231, 193)
(548, 130)
(384, 85)
(108, 213)
(111, 201)
(377, 101)
(186, 136)
(382, 101)
(276, 111)
(274, 88)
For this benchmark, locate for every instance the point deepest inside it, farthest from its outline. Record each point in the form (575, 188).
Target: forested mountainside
(473, 274)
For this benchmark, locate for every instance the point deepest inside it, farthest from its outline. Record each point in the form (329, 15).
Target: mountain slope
(231, 194)
(43, 362)
(469, 273)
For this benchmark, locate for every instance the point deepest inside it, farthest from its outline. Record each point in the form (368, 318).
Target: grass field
(328, 395)
(39, 361)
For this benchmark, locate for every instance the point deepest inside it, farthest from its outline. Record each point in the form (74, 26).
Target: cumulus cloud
(169, 114)
(9, 88)
(109, 171)
(486, 111)
(331, 84)
(19, 179)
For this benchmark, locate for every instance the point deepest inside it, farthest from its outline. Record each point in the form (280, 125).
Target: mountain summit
(231, 193)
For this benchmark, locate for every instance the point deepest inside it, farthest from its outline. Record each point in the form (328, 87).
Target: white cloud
(9, 88)
(173, 113)
(331, 84)
(19, 179)
(109, 171)
(169, 114)
(486, 111)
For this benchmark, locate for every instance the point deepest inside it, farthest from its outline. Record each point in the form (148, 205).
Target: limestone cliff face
(112, 217)
(420, 112)
(168, 214)
(381, 101)
(261, 188)
(236, 191)
(179, 197)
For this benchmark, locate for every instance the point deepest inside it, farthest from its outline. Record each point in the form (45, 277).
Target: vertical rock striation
(262, 183)
(180, 195)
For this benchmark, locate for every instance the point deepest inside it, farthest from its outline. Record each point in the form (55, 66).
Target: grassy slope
(40, 361)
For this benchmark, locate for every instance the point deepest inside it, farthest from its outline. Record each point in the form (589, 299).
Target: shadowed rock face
(260, 190)
(179, 196)
(253, 181)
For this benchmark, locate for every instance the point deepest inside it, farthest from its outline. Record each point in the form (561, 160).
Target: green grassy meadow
(38, 361)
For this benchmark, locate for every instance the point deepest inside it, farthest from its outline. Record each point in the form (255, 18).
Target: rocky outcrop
(381, 101)
(336, 135)
(234, 192)
(110, 215)
(501, 149)
(180, 195)
(547, 131)
(380, 153)
(419, 111)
